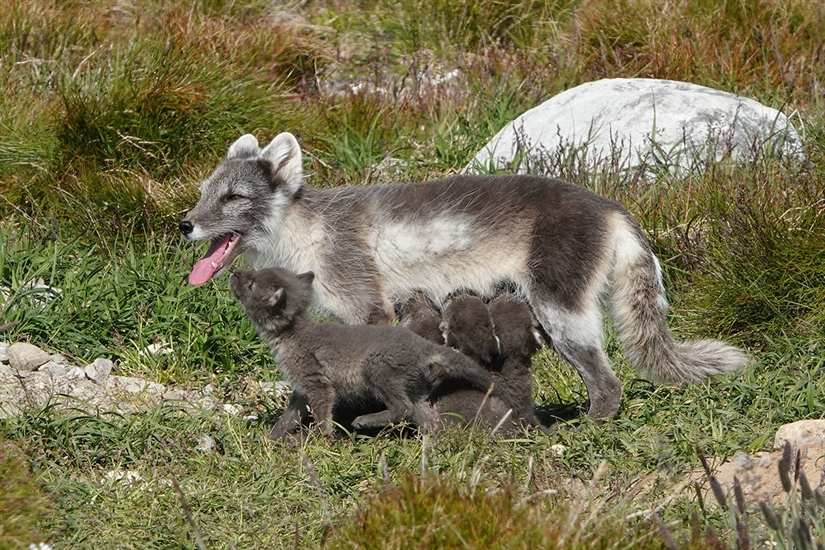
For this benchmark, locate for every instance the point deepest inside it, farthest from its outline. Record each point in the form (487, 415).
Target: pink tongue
(209, 264)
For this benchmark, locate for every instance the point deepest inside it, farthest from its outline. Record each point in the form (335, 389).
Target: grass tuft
(24, 505)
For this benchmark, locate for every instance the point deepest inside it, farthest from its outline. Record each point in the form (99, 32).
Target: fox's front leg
(294, 417)
(321, 401)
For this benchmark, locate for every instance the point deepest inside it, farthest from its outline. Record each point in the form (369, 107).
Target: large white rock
(627, 122)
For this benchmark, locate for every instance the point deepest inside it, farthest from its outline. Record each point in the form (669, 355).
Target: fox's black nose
(186, 227)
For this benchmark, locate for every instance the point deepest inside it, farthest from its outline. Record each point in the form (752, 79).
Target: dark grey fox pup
(329, 361)
(419, 316)
(469, 326)
(519, 339)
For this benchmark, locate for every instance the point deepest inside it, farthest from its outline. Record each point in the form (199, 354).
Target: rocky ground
(31, 377)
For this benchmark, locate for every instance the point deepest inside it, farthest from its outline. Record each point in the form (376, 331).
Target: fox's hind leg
(578, 338)
(421, 414)
(400, 405)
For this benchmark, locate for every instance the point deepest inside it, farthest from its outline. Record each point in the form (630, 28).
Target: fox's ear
(283, 160)
(309, 276)
(245, 147)
(276, 297)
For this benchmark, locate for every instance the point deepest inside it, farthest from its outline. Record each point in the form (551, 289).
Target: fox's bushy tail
(639, 309)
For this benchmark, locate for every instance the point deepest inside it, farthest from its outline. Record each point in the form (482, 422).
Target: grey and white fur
(329, 362)
(562, 247)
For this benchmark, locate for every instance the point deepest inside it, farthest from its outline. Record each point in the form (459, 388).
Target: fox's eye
(233, 197)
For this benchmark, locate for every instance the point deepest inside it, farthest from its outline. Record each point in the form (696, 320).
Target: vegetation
(113, 111)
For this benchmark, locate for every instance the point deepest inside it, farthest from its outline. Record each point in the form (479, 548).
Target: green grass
(24, 505)
(110, 113)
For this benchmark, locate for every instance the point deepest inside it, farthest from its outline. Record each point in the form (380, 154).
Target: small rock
(558, 449)
(54, 368)
(276, 389)
(232, 409)
(75, 373)
(135, 385)
(84, 390)
(126, 477)
(156, 349)
(208, 403)
(99, 370)
(4, 353)
(174, 395)
(59, 359)
(26, 357)
(205, 444)
(209, 389)
(802, 431)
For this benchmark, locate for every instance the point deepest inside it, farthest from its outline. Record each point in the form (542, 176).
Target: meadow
(112, 112)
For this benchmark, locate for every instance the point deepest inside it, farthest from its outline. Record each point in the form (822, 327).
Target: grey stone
(75, 373)
(205, 444)
(803, 431)
(86, 391)
(175, 395)
(55, 369)
(59, 359)
(624, 123)
(99, 370)
(24, 357)
(276, 389)
(4, 353)
(135, 385)
(208, 403)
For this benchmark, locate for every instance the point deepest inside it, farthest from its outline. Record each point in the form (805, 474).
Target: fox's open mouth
(219, 256)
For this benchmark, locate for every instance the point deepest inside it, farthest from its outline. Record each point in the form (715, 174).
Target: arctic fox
(561, 246)
(328, 362)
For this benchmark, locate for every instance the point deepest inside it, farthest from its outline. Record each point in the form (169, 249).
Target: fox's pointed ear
(245, 147)
(276, 297)
(283, 160)
(309, 276)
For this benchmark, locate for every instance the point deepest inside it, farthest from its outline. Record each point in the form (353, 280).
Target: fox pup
(326, 362)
